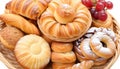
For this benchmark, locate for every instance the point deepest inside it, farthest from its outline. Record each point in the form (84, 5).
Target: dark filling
(103, 44)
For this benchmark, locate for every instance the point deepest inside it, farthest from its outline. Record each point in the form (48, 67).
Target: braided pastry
(19, 22)
(28, 8)
(65, 20)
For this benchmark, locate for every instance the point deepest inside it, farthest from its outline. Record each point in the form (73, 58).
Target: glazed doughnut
(65, 21)
(61, 65)
(32, 52)
(61, 47)
(108, 23)
(86, 50)
(67, 57)
(9, 36)
(98, 47)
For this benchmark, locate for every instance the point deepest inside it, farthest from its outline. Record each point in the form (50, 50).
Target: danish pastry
(28, 8)
(19, 22)
(108, 23)
(9, 36)
(65, 20)
(32, 52)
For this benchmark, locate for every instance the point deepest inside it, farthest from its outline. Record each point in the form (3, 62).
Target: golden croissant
(28, 8)
(19, 22)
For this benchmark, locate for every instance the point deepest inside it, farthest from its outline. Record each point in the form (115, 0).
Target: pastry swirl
(65, 20)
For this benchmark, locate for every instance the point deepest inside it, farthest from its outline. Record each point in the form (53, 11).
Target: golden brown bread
(65, 20)
(67, 57)
(47, 39)
(61, 46)
(28, 8)
(61, 65)
(19, 22)
(9, 36)
(32, 52)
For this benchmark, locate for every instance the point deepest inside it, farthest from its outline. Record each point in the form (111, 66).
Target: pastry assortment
(65, 34)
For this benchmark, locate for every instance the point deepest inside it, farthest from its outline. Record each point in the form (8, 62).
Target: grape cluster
(98, 8)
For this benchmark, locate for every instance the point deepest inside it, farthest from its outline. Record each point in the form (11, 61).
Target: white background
(115, 12)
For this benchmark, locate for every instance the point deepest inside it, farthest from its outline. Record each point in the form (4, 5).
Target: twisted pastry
(108, 23)
(83, 65)
(65, 20)
(19, 22)
(28, 8)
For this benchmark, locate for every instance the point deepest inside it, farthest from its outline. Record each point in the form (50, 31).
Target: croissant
(28, 8)
(19, 22)
(65, 20)
(83, 65)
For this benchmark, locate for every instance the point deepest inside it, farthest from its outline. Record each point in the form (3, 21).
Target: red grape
(99, 6)
(87, 3)
(95, 15)
(102, 15)
(102, 1)
(109, 5)
(92, 11)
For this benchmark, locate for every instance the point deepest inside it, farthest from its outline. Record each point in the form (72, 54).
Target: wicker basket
(8, 58)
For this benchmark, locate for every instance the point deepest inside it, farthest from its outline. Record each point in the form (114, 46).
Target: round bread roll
(67, 57)
(61, 65)
(65, 21)
(32, 52)
(9, 36)
(61, 47)
(108, 23)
